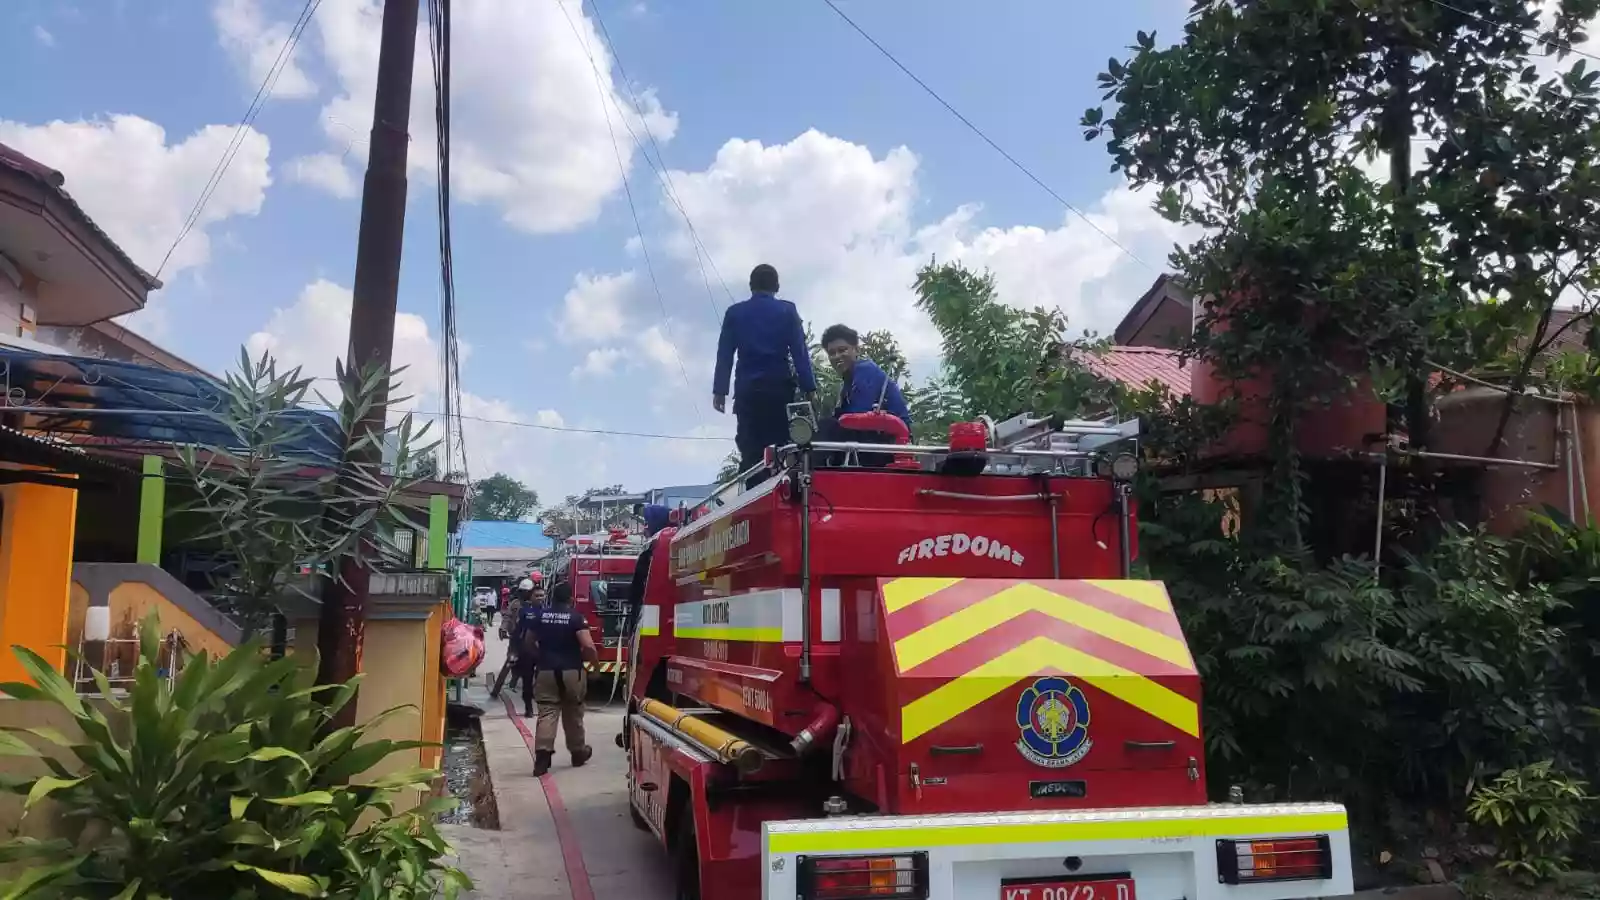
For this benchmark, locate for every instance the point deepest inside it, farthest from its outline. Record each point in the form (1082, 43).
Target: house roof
(1137, 367)
(1166, 287)
(16, 161)
(477, 536)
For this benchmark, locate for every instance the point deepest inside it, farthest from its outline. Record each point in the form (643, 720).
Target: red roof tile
(1136, 367)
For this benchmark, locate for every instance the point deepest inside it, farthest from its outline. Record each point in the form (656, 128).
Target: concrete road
(567, 836)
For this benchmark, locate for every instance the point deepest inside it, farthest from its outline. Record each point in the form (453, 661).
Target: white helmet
(526, 584)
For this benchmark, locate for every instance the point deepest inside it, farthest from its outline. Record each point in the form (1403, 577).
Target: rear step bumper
(1169, 853)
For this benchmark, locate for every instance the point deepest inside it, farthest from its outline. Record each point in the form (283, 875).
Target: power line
(986, 139)
(439, 20)
(1481, 18)
(263, 94)
(663, 171)
(633, 209)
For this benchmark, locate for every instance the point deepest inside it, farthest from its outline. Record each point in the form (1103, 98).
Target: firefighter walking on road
(564, 644)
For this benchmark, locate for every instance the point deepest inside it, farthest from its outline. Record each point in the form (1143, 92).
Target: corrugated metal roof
(1137, 367)
(503, 535)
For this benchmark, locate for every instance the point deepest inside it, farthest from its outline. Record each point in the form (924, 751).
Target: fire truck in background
(599, 567)
(933, 677)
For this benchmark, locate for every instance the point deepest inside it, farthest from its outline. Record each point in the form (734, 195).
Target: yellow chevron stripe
(965, 624)
(902, 592)
(1110, 825)
(1040, 655)
(1150, 593)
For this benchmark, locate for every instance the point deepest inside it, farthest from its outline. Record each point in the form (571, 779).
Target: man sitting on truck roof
(766, 335)
(864, 387)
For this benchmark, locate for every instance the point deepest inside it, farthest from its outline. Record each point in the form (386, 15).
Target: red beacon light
(968, 437)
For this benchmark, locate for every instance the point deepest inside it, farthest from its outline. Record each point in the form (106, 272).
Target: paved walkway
(567, 836)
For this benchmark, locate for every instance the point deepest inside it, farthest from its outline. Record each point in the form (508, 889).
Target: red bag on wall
(461, 650)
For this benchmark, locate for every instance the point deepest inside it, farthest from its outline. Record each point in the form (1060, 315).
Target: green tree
(1000, 360)
(1260, 124)
(501, 498)
(729, 469)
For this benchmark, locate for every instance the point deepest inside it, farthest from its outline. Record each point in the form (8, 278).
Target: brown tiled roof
(17, 161)
(1137, 367)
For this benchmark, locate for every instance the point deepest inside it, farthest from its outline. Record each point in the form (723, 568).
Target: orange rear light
(898, 877)
(1274, 859)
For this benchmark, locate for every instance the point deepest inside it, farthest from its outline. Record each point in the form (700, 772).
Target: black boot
(527, 710)
(579, 757)
(541, 762)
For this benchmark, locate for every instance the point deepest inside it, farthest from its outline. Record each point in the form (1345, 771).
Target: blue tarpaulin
(113, 399)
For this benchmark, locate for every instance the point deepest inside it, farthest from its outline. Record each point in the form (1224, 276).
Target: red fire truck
(932, 677)
(599, 567)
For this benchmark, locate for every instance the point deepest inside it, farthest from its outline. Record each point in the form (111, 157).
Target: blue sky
(786, 137)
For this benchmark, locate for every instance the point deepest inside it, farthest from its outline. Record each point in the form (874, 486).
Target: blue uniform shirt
(556, 630)
(766, 334)
(860, 392)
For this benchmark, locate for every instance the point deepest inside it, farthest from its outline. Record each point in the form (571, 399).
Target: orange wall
(35, 573)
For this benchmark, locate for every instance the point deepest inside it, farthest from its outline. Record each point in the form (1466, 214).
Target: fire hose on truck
(924, 672)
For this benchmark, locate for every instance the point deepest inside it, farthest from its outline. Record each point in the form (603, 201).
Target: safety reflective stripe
(859, 835)
(759, 617)
(607, 667)
(979, 637)
(650, 621)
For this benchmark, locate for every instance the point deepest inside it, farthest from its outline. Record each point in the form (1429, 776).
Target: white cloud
(140, 188)
(658, 348)
(840, 225)
(325, 171)
(314, 332)
(595, 308)
(599, 362)
(43, 36)
(529, 129)
(257, 46)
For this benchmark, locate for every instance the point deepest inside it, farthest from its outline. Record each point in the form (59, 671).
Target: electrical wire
(986, 139)
(633, 209)
(263, 94)
(1481, 18)
(79, 412)
(663, 172)
(450, 344)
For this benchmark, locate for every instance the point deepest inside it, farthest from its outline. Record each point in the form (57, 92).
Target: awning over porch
(109, 399)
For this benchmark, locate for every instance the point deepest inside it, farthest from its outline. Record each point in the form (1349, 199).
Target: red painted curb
(571, 854)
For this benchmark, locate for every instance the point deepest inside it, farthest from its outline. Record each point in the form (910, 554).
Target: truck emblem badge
(1053, 715)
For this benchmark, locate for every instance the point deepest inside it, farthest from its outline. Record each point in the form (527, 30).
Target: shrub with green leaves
(1535, 812)
(225, 782)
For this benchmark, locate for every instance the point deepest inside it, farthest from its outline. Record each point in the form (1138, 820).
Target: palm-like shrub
(224, 782)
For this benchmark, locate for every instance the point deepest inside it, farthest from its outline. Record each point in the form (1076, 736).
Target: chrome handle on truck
(937, 750)
(916, 780)
(1150, 745)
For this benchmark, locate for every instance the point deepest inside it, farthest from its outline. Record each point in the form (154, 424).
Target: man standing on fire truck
(766, 335)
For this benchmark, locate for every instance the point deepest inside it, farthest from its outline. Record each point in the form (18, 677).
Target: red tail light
(898, 877)
(1274, 859)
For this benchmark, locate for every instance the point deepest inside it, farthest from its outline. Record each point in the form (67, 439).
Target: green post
(438, 530)
(152, 510)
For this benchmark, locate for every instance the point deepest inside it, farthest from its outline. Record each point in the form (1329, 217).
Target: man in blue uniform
(766, 335)
(864, 387)
(563, 645)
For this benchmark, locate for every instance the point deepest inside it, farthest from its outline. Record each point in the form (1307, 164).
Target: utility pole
(342, 629)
